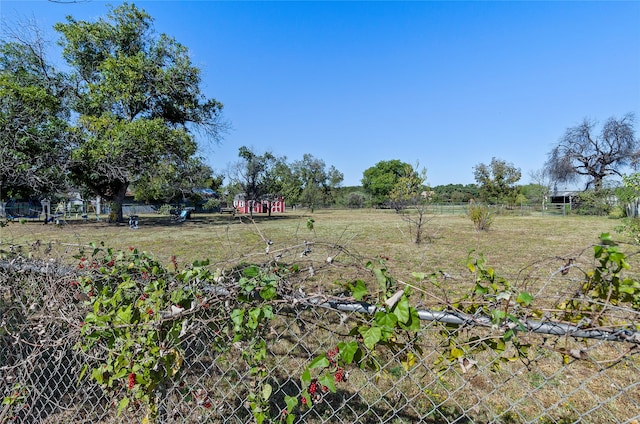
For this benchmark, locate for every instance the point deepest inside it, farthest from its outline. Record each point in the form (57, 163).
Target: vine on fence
(494, 297)
(140, 313)
(603, 287)
(139, 317)
(392, 314)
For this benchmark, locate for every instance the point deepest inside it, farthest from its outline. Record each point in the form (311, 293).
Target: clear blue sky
(448, 84)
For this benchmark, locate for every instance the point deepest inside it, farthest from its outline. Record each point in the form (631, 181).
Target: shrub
(211, 204)
(481, 216)
(617, 212)
(165, 209)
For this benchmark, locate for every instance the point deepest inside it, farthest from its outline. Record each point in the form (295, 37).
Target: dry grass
(527, 250)
(516, 246)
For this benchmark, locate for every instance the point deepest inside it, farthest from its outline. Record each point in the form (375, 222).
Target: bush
(481, 216)
(211, 205)
(617, 212)
(165, 209)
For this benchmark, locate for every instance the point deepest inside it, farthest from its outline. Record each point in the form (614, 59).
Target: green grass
(512, 245)
(526, 250)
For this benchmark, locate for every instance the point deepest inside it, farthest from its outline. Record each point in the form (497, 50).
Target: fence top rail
(450, 317)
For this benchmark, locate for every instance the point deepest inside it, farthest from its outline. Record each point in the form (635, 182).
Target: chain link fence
(593, 378)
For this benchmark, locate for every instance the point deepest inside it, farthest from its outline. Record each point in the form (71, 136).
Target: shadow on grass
(196, 220)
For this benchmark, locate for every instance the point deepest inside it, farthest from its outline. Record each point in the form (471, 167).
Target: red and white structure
(258, 206)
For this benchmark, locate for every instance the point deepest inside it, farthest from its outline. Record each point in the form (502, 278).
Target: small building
(565, 197)
(258, 206)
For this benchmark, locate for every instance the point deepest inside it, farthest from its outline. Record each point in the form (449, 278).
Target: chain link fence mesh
(562, 379)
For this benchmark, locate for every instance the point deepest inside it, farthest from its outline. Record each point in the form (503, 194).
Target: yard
(443, 373)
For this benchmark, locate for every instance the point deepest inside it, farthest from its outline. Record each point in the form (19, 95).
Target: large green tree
(497, 181)
(288, 182)
(379, 180)
(318, 181)
(173, 181)
(34, 137)
(255, 175)
(138, 101)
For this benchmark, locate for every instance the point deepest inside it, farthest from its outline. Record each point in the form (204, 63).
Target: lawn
(529, 251)
(520, 248)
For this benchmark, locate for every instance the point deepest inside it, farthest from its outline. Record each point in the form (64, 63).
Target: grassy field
(520, 248)
(527, 250)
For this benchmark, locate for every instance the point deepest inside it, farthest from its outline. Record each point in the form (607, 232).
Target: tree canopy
(34, 136)
(138, 101)
(380, 179)
(318, 182)
(497, 181)
(410, 189)
(455, 193)
(582, 151)
(254, 174)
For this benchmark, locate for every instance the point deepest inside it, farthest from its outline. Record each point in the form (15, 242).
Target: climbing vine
(140, 313)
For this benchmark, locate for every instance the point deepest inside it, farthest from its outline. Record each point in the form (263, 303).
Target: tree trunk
(597, 182)
(116, 202)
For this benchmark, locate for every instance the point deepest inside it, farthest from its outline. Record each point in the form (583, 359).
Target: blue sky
(446, 84)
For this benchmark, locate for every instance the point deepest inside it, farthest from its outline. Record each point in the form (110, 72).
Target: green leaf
(606, 239)
(267, 312)
(597, 249)
(319, 362)
(291, 401)
(124, 402)
(524, 298)
(124, 315)
(386, 321)
(401, 310)
(380, 277)
(371, 337)
(251, 271)
(328, 380)
(347, 351)
(307, 396)
(268, 293)
(98, 375)
(83, 371)
(413, 324)
(305, 378)
(480, 289)
(254, 318)
(358, 290)
(508, 335)
(237, 317)
(266, 391)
